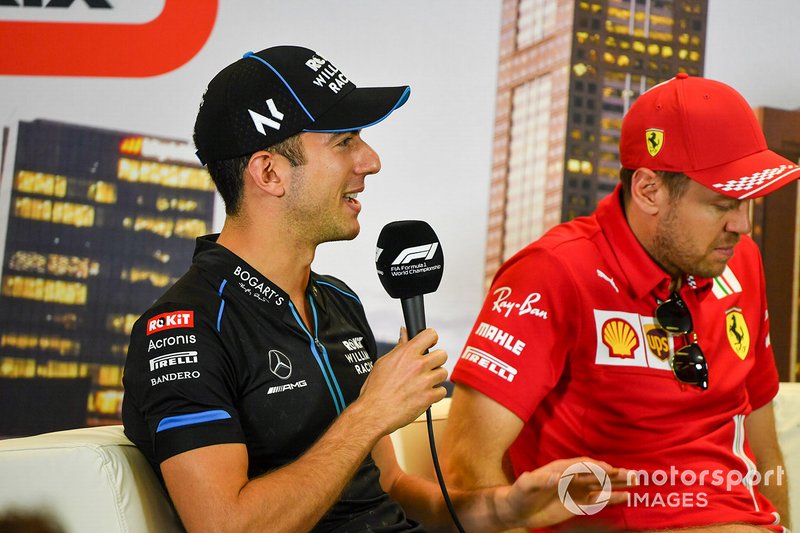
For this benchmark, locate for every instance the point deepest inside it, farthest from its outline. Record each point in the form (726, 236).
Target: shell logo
(620, 338)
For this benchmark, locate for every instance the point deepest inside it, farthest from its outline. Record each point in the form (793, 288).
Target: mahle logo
(587, 508)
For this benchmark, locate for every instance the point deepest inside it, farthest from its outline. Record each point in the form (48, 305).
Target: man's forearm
(211, 491)
(775, 487)
(300, 493)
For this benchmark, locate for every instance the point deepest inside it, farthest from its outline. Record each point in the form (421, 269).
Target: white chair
(95, 480)
(88, 480)
(787, 422)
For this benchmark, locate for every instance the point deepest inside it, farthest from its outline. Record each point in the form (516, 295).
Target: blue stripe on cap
(253, 56)
(192, 419)
(401, 101)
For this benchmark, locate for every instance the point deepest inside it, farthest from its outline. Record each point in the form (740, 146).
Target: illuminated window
(28, 262)
(190, 228)
(15, 367)
(59, 345)
(176, 204)
(103, 192)
(41, 183)
(174, 176)
(67, 213)
(137, 275)
(72, 266)
(57, 291)
(121, 323)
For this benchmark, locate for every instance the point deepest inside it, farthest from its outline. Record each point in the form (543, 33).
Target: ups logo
(657, 341)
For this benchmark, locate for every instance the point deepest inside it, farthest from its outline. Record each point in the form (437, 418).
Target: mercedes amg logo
(279, 364)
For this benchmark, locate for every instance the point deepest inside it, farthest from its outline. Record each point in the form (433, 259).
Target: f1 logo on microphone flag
(424, 252)
(409, 258)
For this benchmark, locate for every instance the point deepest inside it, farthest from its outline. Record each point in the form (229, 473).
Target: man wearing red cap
(641, 333)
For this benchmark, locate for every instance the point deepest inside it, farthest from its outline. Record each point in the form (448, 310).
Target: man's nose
(740, 219)
(368, 160)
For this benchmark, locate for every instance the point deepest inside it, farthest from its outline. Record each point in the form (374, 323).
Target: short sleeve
(181, 382)
(517, 349)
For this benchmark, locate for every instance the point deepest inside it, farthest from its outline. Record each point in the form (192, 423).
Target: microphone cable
(439, 475)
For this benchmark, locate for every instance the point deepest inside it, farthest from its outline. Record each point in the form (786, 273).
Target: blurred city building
(99, 224)
(568, 72)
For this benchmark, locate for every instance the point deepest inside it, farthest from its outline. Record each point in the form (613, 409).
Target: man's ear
(648, 192)
(268, 172)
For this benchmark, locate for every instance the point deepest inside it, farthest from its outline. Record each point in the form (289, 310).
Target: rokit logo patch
(172, 320)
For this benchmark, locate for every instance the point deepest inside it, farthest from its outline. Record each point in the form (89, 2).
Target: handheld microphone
(410, 264)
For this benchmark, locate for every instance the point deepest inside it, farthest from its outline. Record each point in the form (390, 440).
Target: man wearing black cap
(641, 333)
(246, 382)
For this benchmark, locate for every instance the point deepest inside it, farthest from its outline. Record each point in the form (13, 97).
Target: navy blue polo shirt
(223, 357)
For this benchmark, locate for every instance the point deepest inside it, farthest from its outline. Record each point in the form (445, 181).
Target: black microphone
(410, 264)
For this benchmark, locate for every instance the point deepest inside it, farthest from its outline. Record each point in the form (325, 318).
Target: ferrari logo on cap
(738, 335)
(655, 140)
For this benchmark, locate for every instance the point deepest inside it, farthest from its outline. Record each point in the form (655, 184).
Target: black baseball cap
(268, 96)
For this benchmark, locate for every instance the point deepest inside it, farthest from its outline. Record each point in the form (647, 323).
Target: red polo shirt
(566, 340)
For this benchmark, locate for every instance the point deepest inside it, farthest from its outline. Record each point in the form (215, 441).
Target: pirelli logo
(174, 319)
(492, 364)
(172, 359)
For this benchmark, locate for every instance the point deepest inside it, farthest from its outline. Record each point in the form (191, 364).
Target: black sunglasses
(688, 363)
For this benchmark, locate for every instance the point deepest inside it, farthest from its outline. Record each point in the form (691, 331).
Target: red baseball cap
(706, 130)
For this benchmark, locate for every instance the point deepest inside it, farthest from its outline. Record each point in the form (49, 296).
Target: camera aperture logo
(587, 508)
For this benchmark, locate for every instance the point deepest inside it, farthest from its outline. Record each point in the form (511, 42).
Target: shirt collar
(237, 275)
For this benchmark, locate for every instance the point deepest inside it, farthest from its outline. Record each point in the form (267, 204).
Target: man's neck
(272, 252)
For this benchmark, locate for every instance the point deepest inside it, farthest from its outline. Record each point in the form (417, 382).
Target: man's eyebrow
(335, 136)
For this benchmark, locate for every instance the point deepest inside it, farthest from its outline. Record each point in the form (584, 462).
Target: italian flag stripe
(726, 284)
